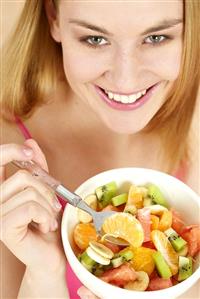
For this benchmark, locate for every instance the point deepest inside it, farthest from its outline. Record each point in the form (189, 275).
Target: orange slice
(135, 197)
(143, 260)
(154, 222)
(165, 221)
(124, 226)
(83, 234)
(163, 245)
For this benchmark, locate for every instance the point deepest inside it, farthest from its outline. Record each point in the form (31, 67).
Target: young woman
(91, 86)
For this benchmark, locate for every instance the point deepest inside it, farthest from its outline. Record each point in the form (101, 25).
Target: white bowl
(178, 195)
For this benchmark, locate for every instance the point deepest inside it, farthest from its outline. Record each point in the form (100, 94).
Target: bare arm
(24, 202)
(44, 285)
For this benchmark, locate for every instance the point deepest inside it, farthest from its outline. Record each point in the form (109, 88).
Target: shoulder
(194, 170)
(10, 134)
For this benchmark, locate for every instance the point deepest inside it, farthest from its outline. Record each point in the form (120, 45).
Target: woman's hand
(29, 212)
(84, 293)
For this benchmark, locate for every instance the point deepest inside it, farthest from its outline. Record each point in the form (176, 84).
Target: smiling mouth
(125, 99)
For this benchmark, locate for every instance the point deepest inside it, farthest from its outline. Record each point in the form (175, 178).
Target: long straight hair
(33, 66)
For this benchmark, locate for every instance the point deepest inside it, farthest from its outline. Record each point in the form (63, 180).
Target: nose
(124, 72)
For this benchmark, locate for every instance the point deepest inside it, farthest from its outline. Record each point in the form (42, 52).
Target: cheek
(80, 65)
(165, 62)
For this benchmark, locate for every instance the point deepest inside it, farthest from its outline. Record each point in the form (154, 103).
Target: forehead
(118, 13)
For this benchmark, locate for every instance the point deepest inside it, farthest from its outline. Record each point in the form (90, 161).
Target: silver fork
(70, 197)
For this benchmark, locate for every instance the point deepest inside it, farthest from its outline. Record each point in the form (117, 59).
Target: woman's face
(121, 57)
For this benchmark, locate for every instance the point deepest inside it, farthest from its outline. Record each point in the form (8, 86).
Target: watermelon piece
(149, 244)
(191, 234)
(120, 276)
(177, 221)
(159, 283)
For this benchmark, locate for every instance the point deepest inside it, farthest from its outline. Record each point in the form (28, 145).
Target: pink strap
(22, 128)
(182, 172)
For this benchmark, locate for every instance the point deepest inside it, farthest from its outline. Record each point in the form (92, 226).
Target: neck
(68, 122)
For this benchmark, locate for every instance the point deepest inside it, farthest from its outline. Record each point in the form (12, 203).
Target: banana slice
(143, 190)
(101, 250)
(114, 240)
(83, 216)
(140, 284)
(130, 208)
(97, 257)
(157, 209)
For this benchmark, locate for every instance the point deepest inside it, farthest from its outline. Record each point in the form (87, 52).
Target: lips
(118, 105)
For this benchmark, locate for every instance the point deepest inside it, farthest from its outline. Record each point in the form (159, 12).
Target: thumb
(38, 155)
(85, 293)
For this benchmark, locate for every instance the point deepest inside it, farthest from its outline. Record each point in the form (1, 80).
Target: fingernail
(27, 151)
(79, 294)
(57, 205)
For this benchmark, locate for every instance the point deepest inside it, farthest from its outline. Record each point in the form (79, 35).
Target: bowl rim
(175, 290)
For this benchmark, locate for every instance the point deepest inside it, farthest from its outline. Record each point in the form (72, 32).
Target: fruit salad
(146, 246)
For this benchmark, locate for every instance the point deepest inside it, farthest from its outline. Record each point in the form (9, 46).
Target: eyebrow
(160, 26)
(163, 25)
(89, 26)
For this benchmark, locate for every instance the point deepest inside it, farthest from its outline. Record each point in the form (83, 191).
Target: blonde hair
(34, 60)
(173, 120)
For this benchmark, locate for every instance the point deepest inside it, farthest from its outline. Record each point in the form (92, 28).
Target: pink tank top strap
(25, 132)
(182, 172)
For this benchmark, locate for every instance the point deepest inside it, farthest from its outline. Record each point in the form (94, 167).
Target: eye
(156, 39)
(95, 41)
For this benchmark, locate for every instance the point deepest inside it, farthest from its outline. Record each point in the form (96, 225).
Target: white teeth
(124, 98)
(139, 94)
(116, 97)
(133, 98)
(110, 95)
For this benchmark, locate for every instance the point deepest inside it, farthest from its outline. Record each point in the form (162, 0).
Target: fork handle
(43, 176)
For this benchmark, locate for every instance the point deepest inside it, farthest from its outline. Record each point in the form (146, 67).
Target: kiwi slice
(87, 262)
(105, 193)
(161, 265)
(183, 251)
(177, 242)
(156, 195)
(185, 268)
(126, 254)
(118, 261)
(119, 199)
(98, 272)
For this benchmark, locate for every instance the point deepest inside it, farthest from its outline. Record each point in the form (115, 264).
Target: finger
(21, 180)
(29, 194)
(10, 152)
(15, 224)
(85, 293)
(39, 157)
